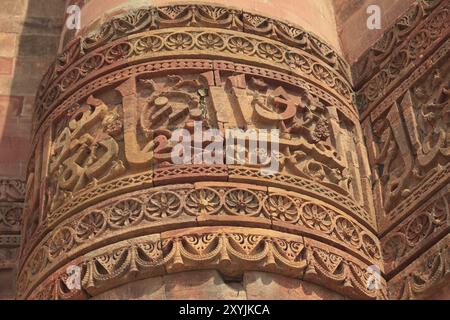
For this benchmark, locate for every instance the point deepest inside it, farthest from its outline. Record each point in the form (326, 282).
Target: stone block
(5, 84)
(146, 289)
(14, 7)
(6, 65)
(7, 289)
(7, 44)
(38, 45)
(46, 8)
(201, 285)
(270, 286)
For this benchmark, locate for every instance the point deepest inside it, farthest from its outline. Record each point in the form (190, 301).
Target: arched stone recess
(103, 192)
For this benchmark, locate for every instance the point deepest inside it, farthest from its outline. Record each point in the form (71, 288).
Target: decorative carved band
(205, 16)
(193, 41)
(231, 250)
(93, 142)
(404, 99)
(412, 51)
(425, 276)
(10, 217)
(382, 51)
(410, 157)
(207, 203)
(425, 226)
(11, 190)
(93, 83)
(104, 119)
(295, 183)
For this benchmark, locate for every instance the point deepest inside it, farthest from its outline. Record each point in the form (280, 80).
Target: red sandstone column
(106, 199)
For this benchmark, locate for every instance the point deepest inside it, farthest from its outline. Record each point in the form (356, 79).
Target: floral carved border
(231, 250)
(411, 52)
(193, 15)
(379, 54)
(237, 174)
(426, 225)
(425, 276)
(416, 47)
(193, 41)
(206, 203)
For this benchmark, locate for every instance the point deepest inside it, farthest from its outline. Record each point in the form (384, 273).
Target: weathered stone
(147, 289)
(260, 285)
(37, 45)
(7, 44)
(103, 123)
(6, 66)
(201, 285)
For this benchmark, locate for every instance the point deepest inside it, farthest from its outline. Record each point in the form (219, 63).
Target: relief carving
(404, 56)
(411, 143)
(160, 106)
(230, 250)
(306, 142)
(428, 223)
(424, 277)
(85, 153)
(99, 141)
(102, 170)
(170, 204)
(195, 41)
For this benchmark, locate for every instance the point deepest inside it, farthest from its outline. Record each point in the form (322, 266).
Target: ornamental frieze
(10, 217)
(408, 142)
(381, 52)
(428, 223)
(231, 250)
(150, 18)
(118, 138)
(193, 41)
(427, 37)
(425, 276)
(404, 100)
(205, 203)
(354, 189)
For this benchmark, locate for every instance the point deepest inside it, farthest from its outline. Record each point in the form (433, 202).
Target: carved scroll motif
(413, 142)
(85, 152)
(173, 102)
(12, 194)
(306, 144)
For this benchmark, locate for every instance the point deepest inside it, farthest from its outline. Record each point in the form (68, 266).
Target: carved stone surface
(102, 170)
(411, 156)
(352, 193)
(427, 224)
(386, 48)
(206, 203)
(204, 16)
(11, 190)
(230, 250)
(404, 99)
(11, 205)
(425, 276)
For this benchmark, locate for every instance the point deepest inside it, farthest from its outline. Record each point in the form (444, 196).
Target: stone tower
(359, 205)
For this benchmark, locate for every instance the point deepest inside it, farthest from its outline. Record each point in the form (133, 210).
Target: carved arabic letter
(133, 152)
